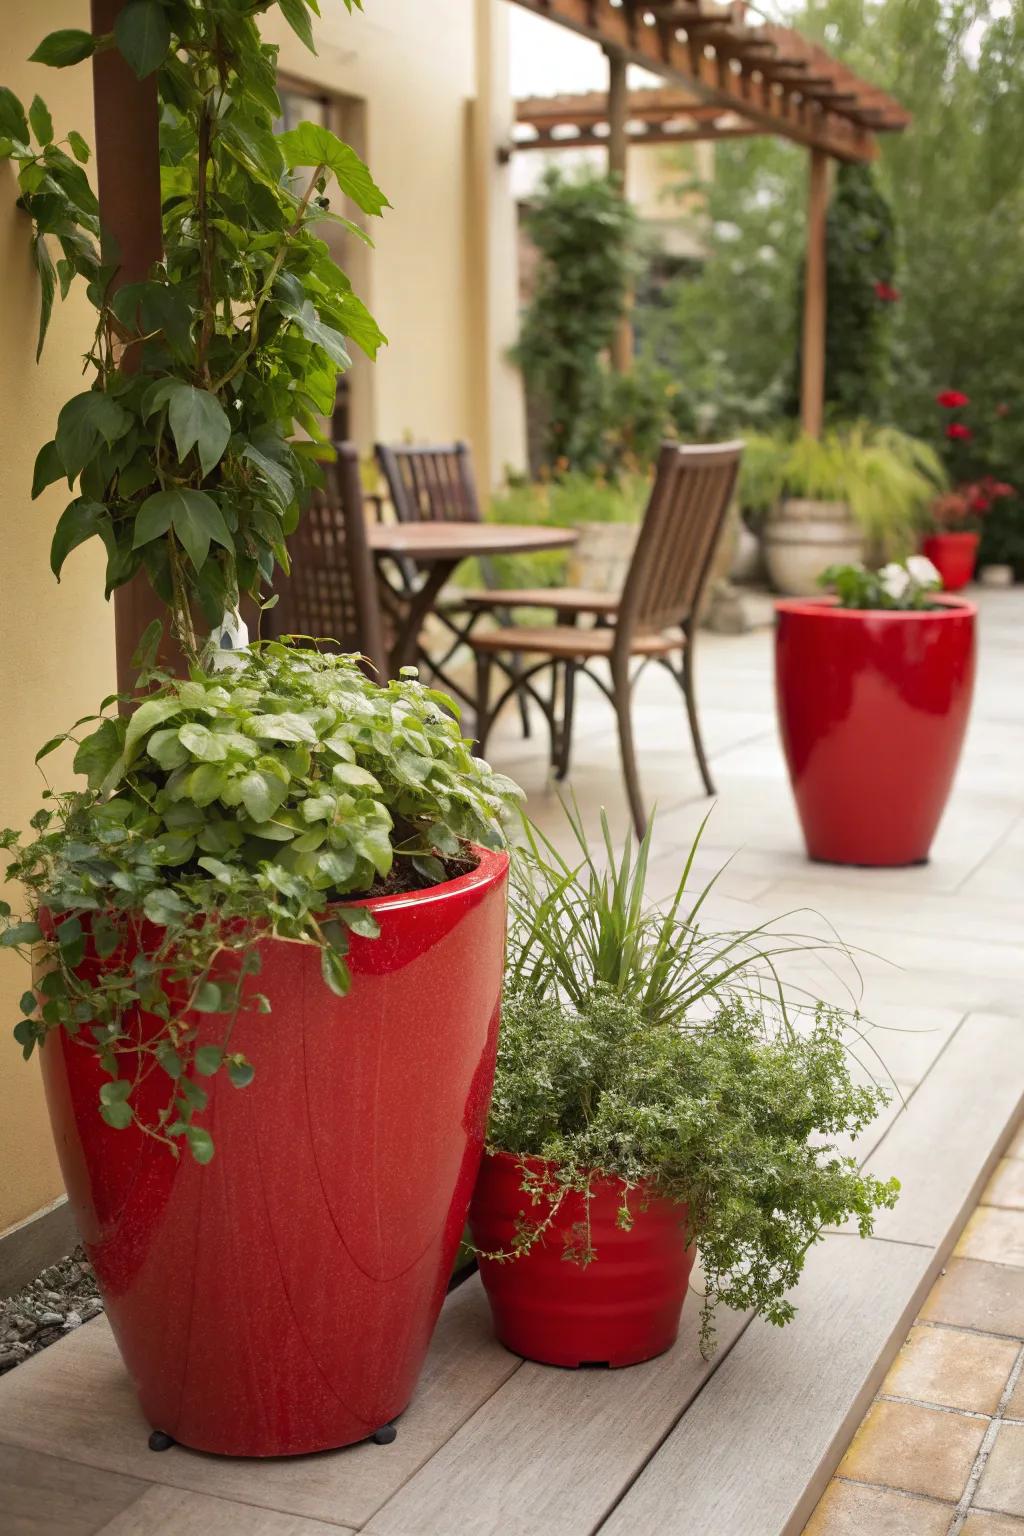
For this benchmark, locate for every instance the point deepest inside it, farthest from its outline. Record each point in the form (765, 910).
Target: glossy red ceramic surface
(873, 706)
(281, 1299)
(954, 556)
(621, 1308)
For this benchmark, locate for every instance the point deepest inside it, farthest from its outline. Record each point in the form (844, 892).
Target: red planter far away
(621, 1308)
(281, 1298)
(873, 706)
(954, 556)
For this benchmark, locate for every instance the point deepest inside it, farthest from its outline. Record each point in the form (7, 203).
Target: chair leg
(516, 669)
(624, 714)
(561, 764)
(691, 710)
(483, 699)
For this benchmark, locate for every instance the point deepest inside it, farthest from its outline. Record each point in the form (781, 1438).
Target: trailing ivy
(225, 810)
(181, 454)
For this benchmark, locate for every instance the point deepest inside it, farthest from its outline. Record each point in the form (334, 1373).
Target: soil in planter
(403, 877)
(63, 1298)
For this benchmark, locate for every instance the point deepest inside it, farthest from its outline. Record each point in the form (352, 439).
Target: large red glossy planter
(954, 556)
(621, 1308)
(281, 1299)
(873, 706)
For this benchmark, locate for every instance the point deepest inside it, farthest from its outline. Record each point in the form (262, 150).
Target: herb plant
(638, 1044)
(181, 453)
(223, 811)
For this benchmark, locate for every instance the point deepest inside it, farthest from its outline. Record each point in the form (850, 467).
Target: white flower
(895, 581)
(923, 572)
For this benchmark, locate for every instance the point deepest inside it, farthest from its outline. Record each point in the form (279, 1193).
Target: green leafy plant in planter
(638, 1046)
(222, 807)
(907, 586)
(224, 810)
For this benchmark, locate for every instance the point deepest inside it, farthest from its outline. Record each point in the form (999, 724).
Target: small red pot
(281, 1299)
(873, 706)
(621, 1308)
(954, 556)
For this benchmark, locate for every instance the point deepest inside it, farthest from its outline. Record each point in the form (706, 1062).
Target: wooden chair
(654, 617)
(435, 483)
(331, 594)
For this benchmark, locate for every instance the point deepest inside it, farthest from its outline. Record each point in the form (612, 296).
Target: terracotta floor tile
(958, 1370)
(994, 1235)
(1006, 1186)
(850, 1509)
(980, 1524)
(976, 1295)
(920, 1450)
(1002, 1482)
(1015, 1407)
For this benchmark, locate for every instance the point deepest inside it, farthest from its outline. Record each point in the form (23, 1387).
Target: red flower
(957, 430)
(952, 400)
(979, 502)
(887, 293)
(999, 489)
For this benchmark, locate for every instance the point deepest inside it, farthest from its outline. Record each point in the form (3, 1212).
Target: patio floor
(743, 1445)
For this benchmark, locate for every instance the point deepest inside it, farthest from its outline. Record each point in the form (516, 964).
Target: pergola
(731, 75)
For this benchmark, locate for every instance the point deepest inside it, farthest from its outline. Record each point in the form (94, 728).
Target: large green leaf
(150, 713)
(314, 330)
(84, 421)
(194, 516)
(68, 46)
(312, 144)
(198, 420)
(80, 521)
(47, 287)
(143, 35)
(41, 121)
(13, 122)
(297, 16)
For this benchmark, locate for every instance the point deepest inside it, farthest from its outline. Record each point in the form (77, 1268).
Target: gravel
(63, 1298)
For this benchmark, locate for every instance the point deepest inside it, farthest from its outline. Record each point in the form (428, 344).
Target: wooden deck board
(553, 1449)
(50, 1404)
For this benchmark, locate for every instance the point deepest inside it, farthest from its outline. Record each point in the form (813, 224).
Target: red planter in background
(281, 1299)
(621, 1308)
(873, 706)
(954, 556)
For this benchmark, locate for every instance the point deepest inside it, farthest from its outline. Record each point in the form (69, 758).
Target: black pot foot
(385, 1435)
(160, 1441)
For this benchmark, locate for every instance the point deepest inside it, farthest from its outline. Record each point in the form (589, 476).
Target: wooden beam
(812, 375)
(128, 185)
(618, 153)
(705, 133)
(709, 74)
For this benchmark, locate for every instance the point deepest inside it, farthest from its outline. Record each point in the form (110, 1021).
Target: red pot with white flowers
(874, 687)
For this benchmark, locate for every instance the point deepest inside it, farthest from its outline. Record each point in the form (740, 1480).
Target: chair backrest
(331, 593)
(431, 483)
(692, 490)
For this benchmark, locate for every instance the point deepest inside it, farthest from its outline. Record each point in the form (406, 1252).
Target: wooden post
(128, 183)
(812, 380)
(618, 145)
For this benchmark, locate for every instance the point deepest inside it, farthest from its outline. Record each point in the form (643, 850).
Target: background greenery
(955, 182)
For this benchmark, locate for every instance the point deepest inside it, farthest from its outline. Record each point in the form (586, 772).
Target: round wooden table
(441, 546)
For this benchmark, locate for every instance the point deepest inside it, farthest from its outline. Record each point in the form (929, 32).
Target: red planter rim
(830, 606)
(491, 866)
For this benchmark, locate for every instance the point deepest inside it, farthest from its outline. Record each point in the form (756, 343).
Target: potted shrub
(852, 494)
(650, 1100)
(873, 687)
(268, 931)
(957, 518)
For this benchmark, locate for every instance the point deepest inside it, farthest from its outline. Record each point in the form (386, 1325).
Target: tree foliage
(181, 452)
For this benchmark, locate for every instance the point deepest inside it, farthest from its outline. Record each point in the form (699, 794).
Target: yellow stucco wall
(56, 642)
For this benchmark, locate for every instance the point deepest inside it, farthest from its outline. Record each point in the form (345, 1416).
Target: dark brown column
(812, 381)
(128, 185)
(618, 148)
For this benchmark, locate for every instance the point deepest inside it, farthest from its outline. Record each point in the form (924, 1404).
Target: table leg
(417, 607)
